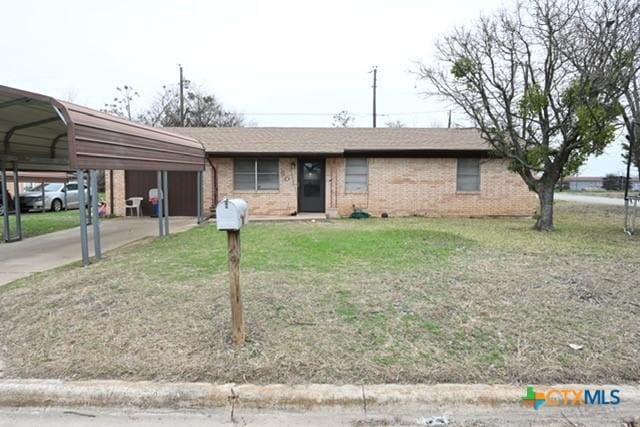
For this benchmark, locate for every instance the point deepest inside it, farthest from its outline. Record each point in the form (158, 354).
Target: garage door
(182, 191)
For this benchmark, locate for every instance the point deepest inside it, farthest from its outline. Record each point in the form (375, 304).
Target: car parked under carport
(57, 196)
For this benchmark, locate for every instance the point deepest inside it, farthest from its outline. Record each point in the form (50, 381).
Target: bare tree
(201, 110)
(542, 83)
(121, 105)
(71, 95)
(395, 124)
(343, 119)
(631, 118)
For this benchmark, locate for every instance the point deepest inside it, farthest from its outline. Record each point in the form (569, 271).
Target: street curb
(146, 394)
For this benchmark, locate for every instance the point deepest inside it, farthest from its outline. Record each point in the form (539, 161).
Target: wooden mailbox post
(231, 215)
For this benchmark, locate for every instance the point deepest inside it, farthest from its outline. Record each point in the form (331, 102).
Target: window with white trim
(468, 176)
(356, 175)
(256, 174)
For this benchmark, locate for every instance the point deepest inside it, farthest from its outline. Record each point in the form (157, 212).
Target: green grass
(360, 301)
(280, 247)
(37, 223)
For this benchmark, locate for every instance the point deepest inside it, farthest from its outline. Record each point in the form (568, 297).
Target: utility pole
(181, 97)
(449, 121)
(374, 70)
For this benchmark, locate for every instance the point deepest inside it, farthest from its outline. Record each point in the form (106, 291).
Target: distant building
(580, 183)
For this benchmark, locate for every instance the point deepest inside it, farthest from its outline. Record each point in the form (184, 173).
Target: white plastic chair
(133, 203)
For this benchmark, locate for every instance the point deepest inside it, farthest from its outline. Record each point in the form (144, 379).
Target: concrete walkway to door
(41, 253)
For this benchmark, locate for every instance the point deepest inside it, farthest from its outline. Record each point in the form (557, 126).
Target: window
(468, 175)
(255, 174)
(356, 175)
(47, 187)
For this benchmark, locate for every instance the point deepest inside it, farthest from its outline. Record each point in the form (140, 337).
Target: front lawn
(37, 223)
(345, 301)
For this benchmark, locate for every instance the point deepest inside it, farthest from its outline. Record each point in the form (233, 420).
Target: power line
(406, 113)
(292, 114)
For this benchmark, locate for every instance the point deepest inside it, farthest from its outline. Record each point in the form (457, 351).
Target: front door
(311, 188)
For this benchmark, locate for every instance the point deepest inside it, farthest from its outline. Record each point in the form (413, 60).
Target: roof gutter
(360, 152)
(273, 153)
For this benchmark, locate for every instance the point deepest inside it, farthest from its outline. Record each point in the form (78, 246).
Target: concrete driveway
(594, 200)
(41, 253)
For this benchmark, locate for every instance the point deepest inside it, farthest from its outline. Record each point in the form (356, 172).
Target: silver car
(54, 197)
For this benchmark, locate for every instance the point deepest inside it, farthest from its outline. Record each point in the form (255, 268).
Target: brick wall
(422, 186)
(118, 191)
(265, 202)
(207, 190)
(398, 186)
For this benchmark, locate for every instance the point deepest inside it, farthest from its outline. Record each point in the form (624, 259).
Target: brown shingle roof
(333, 140)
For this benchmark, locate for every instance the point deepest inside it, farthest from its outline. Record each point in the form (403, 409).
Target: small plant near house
(359, 213)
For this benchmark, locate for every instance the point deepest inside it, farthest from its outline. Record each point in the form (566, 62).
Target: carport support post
(159, 205)
(5, 205)
(237, 321)
(96, 217)
(84, 243)
(16, 200)
(88, 202)
(165, 199)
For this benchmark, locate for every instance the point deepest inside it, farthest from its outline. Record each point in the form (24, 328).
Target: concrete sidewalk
(41, 253)
(396, 415)
(105, 403)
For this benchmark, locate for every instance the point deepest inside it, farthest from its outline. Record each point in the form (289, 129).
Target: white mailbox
(232, 214)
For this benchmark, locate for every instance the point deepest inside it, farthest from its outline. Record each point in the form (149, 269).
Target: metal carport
(40, 133)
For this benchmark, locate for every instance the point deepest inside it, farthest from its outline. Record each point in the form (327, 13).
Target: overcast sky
(281, 63)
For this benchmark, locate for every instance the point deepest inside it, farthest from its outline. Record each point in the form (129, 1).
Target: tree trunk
(545, 216)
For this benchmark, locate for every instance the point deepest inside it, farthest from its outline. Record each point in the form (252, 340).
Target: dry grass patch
(371, 301)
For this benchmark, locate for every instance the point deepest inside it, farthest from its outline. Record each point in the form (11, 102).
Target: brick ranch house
(283, 171)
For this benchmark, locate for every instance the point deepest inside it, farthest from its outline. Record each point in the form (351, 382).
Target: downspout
(214, 188)
(111, 192)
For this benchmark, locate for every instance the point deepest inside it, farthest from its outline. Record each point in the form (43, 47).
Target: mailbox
(232, 214)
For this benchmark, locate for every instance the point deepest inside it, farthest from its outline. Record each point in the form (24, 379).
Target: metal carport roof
(43, 133)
